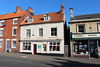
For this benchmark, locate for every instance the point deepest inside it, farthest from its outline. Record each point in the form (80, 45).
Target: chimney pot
(62, 8)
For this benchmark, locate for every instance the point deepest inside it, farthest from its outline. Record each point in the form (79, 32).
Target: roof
(12, 15)
(55, 17)
(87, 16)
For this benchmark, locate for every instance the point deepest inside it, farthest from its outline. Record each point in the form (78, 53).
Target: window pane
(1, 32)
(14, 44)
(81, 28)
(0, 44)
(41, 32)
(28, 33)
(15, 21)
(53, 31)
(14, 31)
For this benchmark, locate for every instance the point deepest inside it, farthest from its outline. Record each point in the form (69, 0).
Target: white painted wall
(46, 33)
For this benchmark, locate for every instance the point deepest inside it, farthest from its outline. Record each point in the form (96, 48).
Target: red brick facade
(7, 29)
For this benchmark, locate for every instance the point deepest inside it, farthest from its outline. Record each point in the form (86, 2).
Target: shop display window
(26, 46)
(54, 46)
(80, 47)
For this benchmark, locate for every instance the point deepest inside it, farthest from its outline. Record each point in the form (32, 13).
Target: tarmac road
(24, 60)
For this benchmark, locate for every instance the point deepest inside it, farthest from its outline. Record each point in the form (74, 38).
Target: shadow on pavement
(69, 63)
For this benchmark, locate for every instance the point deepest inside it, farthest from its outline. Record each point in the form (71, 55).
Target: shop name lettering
(90, 35)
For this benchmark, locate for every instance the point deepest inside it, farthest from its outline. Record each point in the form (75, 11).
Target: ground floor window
(81, 47)
(44, 47)
(0, 44)
(26, 46)
(13, 43)
(54, 46)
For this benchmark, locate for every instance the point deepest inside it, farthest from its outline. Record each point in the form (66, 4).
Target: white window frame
(78, 28)
(3, 30)
(12, 42)
(30, 18)
(13, 31)
(56, 46)
(39, 32)
(2, 21)
(51, 32)
(15, 19)
(47, 17)
(26, 33)
(1, 41)
(98, 27)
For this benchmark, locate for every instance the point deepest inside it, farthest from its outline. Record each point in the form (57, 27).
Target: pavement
(46, 61)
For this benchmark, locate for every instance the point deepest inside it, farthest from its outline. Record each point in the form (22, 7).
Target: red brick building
(10, 29)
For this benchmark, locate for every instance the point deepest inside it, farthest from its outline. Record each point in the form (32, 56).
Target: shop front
(86, 45)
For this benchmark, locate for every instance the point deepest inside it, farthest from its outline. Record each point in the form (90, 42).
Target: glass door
(92, 48)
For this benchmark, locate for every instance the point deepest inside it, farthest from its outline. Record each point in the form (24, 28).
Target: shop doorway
(34, 48)
(93, 46)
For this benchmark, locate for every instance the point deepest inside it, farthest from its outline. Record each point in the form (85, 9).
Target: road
(23, 61)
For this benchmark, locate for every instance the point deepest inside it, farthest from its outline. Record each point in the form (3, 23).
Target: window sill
(1, 35)
(14, 35)
(13, 47)
(53, 37)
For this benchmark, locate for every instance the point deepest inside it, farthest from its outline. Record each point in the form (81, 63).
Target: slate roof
(87, 16)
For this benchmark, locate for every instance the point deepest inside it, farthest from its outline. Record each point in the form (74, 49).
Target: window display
(80, 47)
(26, 46)
(54, 46)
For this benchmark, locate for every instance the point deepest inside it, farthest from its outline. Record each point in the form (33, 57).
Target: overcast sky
(47, 6)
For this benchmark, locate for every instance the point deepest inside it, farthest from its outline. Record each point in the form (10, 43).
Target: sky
(80, 7)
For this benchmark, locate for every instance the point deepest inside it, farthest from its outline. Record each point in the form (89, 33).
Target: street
(24, 60)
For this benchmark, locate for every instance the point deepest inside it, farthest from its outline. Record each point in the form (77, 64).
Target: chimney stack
(71, 12)
(62, 8)
(18, 9)
(30, 9)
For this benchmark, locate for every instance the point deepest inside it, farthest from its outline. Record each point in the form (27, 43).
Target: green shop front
(86, 45)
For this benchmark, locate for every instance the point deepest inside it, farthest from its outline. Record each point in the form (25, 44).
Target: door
(34, 49)
(7, 46)
(92, 48)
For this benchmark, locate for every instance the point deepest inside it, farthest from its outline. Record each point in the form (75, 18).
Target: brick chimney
(62, 8)
(71, 12)
(30, 9)
(18, 9)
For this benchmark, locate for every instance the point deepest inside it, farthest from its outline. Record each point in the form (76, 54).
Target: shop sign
(85, 35)
(39, 46)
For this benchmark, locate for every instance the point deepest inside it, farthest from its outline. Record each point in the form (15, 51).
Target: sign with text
(85, 35)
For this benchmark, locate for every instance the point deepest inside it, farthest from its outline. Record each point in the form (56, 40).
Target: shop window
(44, 47)
(26, 46)
(80, 28)
(54, 46)
(80, 47)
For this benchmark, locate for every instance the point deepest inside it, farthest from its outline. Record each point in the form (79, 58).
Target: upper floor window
(30, 19)
(46, 17)
(14, 31)
(40, 31)
(15, 20)
(1, 31)
(28, 32)
(2, 23)
(53, 31)
(81, 28)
